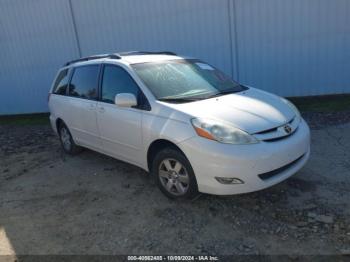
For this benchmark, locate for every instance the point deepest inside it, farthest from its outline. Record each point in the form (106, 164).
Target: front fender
(158, 127)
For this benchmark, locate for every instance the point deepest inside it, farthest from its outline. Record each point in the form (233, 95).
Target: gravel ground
(52, 203)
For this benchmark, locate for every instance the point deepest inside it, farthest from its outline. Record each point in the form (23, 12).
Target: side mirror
(125, 100)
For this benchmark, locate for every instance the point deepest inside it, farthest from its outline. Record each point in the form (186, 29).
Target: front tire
(67, 141)
(174, 174)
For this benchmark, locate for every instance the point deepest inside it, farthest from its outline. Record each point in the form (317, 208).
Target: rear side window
(115, 81)
(61, 83)
(84, 82)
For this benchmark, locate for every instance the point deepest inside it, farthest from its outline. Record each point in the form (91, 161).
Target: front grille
(277, 171)
(274, 129)
(277, 133)
(279, 138)
(267, 131)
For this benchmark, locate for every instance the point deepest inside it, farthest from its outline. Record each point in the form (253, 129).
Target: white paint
(127, 133)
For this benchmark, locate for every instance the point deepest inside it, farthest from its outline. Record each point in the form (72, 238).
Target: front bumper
(279, 159)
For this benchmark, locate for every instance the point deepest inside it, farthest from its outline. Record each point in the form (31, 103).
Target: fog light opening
(229, 180)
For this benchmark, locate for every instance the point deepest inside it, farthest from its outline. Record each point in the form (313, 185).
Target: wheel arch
(158, 145)
(59, 122)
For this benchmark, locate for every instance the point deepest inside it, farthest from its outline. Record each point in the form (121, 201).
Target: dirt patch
(51, 203)
(318, 120)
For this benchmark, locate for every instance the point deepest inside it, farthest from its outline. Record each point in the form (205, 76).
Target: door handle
(101, 109)
(92, 107)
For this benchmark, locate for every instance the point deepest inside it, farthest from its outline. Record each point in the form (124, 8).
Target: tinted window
(61, 83)
(115, 81)
(84, 82)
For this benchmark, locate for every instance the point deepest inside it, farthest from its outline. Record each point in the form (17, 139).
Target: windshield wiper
(178, 100)
(196, 98)
(221, 93)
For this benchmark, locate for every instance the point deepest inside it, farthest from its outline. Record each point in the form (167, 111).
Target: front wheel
(174, 174)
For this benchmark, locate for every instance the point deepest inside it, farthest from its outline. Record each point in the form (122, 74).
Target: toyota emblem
(287, 129)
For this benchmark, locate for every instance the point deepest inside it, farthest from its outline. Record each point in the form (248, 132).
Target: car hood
(252, 110)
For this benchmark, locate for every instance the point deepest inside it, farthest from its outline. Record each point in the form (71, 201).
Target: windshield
(185, 80)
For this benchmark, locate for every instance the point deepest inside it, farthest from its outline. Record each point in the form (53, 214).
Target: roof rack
(146, 53)
(112, 56)
(118, 56)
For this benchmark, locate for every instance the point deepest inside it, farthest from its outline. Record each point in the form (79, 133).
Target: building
(289, 47)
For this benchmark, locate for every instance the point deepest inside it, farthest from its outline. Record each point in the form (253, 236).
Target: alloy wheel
(65, 138)
(174, 177)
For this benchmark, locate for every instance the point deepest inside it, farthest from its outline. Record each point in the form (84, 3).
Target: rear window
(84, 82)
(61, 83)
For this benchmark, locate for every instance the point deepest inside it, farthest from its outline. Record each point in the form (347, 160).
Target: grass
(23, 120)
(329, 103)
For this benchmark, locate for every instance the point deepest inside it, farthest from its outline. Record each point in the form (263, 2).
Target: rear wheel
(67, 141)
(174, 174)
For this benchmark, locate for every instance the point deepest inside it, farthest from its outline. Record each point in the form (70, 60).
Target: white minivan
(192, 127)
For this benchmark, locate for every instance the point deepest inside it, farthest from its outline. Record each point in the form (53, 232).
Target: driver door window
(115, 81)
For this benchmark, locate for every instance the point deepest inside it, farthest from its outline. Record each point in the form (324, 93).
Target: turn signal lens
(203, 133)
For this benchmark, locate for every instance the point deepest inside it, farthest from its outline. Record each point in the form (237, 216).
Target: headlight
(293, 107)
(221, 132)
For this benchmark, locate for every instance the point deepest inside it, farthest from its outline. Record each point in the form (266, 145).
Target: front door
(120, 127)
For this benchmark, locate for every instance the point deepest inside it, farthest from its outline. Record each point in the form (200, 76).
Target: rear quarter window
(61, 83)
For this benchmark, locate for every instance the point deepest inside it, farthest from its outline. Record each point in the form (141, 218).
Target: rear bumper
(278, 160)
(53, 123)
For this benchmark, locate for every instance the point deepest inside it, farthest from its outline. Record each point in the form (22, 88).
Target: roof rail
(112, 56)
(146, 53)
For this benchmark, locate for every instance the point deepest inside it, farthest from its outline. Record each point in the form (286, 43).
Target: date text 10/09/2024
(173, 258)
